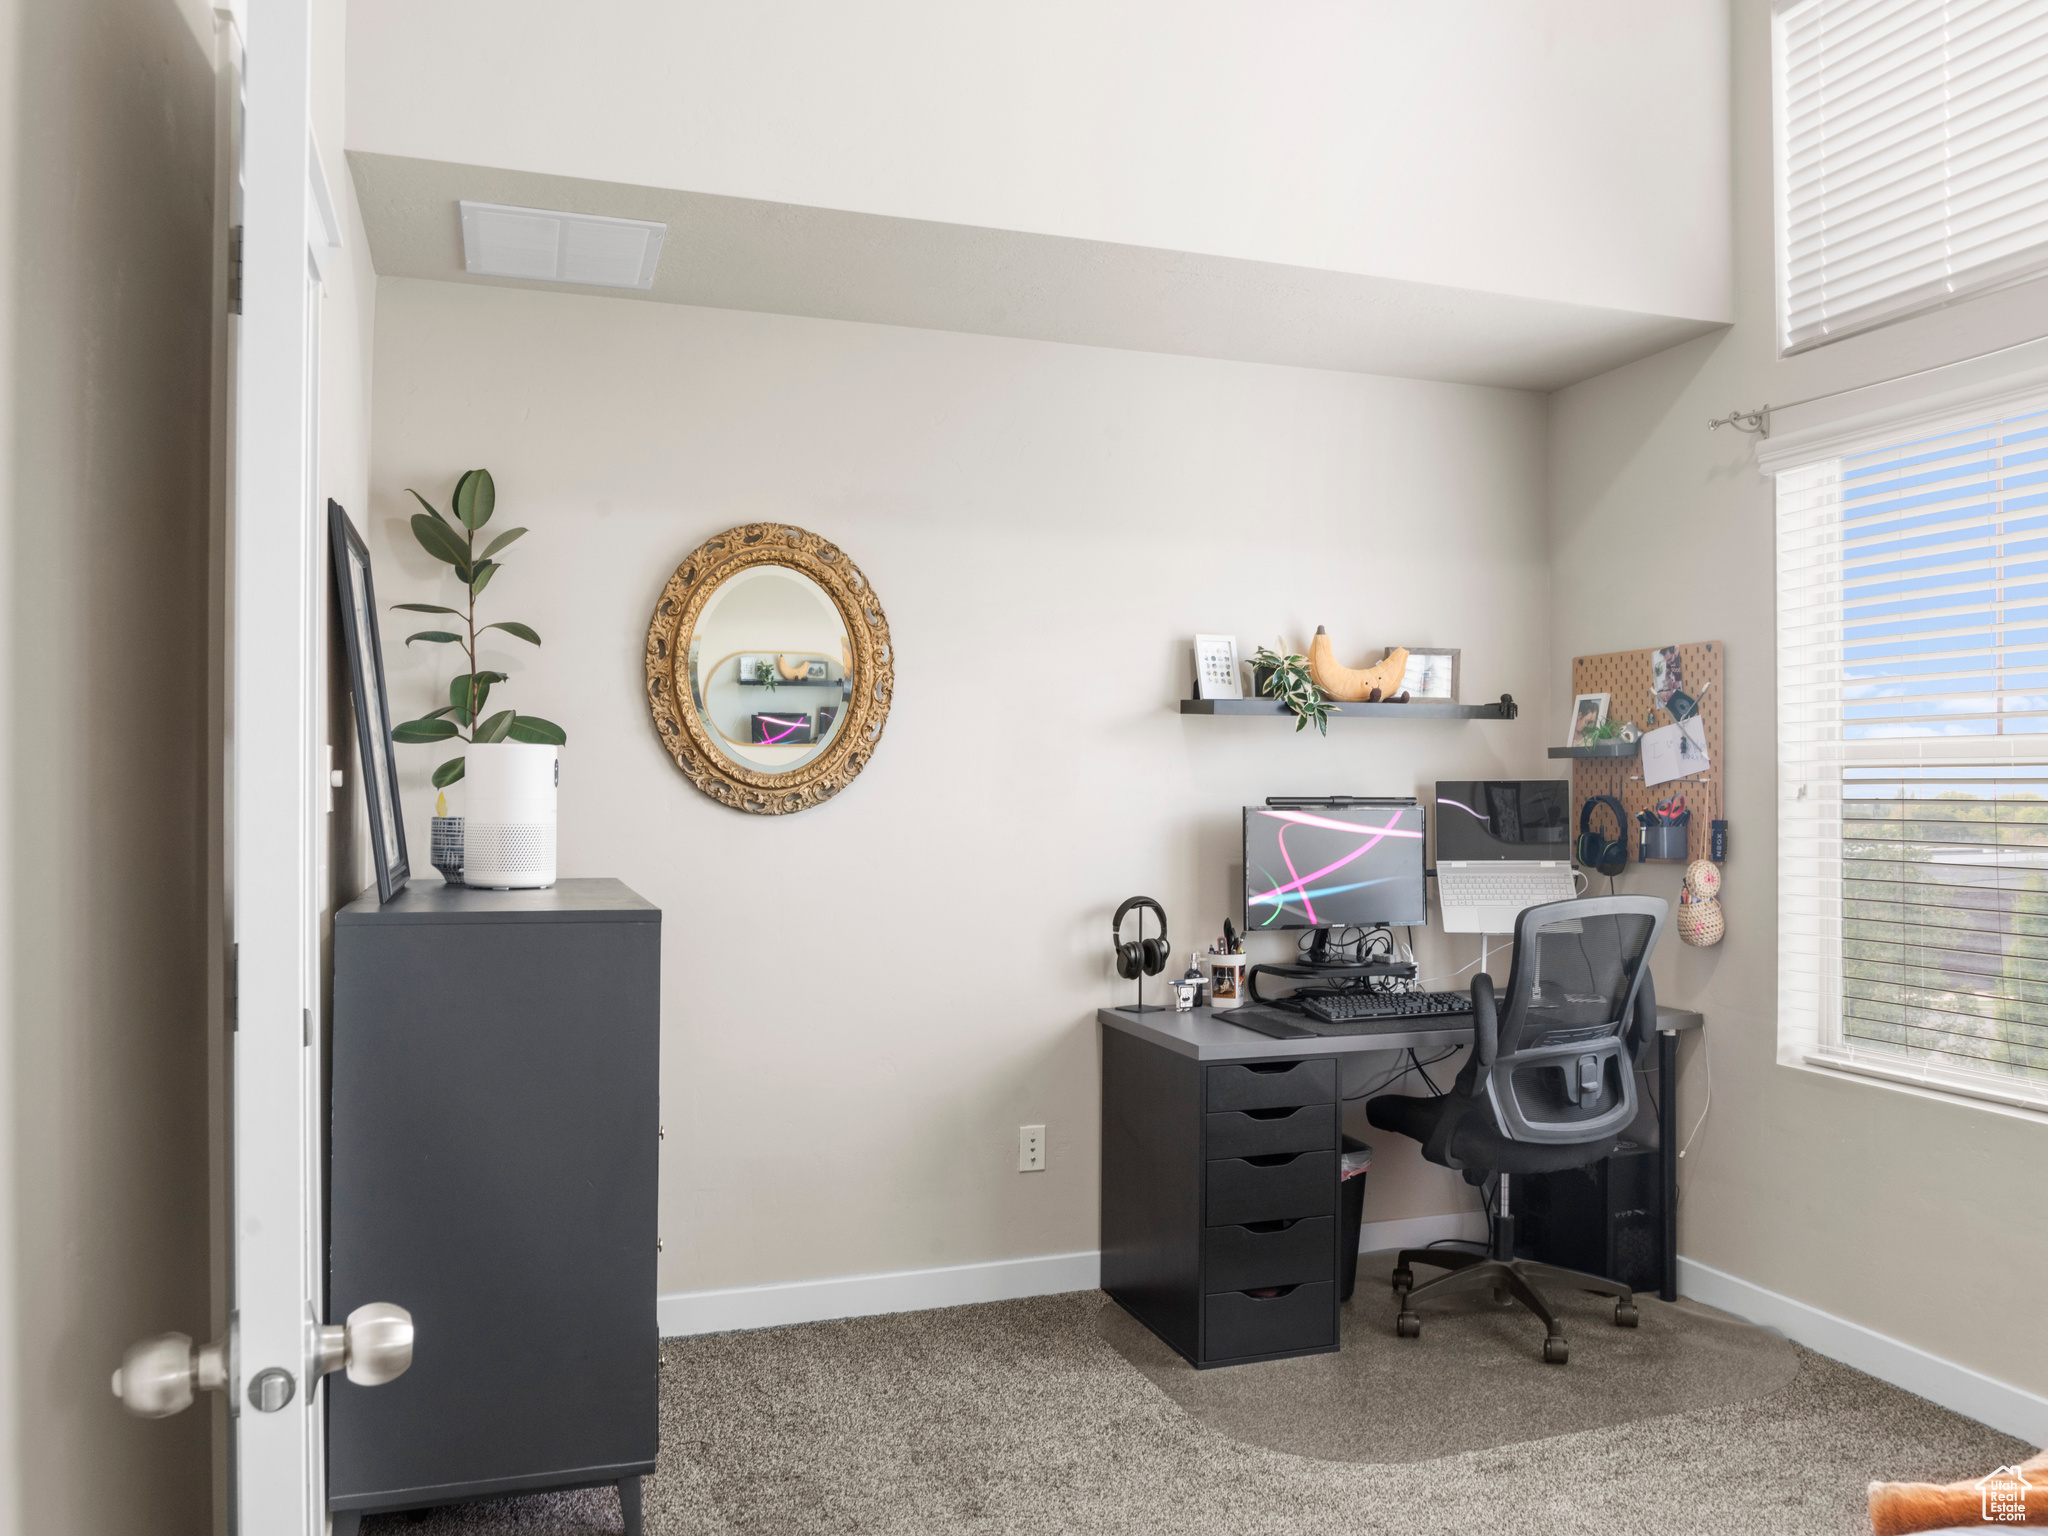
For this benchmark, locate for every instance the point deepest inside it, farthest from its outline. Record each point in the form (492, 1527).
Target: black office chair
(1550, 1085)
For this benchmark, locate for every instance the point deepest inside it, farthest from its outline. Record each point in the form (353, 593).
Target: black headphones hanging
(1596, 852)
(1146, 957)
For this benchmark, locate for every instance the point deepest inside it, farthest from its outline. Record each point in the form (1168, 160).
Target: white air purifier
(508, 828)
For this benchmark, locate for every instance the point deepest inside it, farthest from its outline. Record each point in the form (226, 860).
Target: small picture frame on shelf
(1589, 713)
(1432, 673)
(1216, 668)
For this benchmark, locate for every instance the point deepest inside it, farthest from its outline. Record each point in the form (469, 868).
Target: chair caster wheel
(1626, 1315)
(1556, 1352)
(1404, 1279)
(1503, 1297)
(1408, 1325)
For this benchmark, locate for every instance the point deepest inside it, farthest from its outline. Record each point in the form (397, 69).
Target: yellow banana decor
(1356, 685)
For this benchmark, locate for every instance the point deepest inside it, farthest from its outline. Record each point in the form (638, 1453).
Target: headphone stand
(1141, 1006)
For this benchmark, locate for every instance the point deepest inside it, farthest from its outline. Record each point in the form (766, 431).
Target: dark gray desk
(1219, 1175)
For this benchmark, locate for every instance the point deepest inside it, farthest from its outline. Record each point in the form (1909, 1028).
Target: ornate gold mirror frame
(873, 669)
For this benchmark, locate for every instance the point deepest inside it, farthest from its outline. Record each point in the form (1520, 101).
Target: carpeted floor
(1021, 1417)
(1475, 1378)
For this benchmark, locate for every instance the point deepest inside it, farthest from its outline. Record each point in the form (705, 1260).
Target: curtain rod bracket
(1757, 421)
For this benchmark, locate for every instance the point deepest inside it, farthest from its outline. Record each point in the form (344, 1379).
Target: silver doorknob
(158, 1376)
(374, 1346)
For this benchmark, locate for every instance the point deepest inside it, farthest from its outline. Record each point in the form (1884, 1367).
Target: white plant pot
(508, 831)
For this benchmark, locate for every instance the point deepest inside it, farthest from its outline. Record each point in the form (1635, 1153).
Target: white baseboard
(681, 1313)
(2004, 1407)
(1420, 1231)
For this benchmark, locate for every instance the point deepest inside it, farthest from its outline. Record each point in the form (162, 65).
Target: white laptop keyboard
(1484, 888)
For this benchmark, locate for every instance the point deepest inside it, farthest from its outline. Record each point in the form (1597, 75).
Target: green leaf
(438, 539)
(485, 570)
(426, 729)
(437, 714)
(475, 498)
(512, 628)
(448, 772)
(416, 496)
(427, 608)
(494, 729)
(534, 729)
(437, 636)
(501, 541)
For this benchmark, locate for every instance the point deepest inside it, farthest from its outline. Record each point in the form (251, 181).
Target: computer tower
(1605, 1219)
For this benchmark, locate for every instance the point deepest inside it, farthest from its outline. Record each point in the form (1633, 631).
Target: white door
(276, 1351)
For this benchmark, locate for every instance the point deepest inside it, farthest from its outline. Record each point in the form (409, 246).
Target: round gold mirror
(769, 669)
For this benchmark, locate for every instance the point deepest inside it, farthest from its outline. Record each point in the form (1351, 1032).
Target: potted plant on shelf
(454, 544)
(1284, 676)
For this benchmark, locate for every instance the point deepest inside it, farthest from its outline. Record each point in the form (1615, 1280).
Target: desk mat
(1474, 1380)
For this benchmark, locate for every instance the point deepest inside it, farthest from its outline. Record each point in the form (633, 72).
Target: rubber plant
(1288, 681)
(454, 543)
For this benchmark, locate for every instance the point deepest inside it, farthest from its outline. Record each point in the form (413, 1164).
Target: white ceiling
(783, 258)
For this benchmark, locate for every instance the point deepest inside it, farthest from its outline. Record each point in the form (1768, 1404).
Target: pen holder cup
(1660, 841)
(1226, 980)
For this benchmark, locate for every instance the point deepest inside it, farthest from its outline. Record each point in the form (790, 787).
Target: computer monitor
(1333, 863)
(1512, 820)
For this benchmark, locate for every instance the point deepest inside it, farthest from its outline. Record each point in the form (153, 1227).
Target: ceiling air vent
(559, 247)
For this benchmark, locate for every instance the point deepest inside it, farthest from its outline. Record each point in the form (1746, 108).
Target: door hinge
(235, 987)
(305, 1026)
(235, 270)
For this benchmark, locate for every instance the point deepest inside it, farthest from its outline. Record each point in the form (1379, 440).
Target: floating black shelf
(1601, 749)
(1420, 709)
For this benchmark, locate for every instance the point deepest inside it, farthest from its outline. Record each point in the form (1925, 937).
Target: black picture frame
(356, 595)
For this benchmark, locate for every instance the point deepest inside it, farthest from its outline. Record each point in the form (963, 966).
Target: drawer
(1270, 1253)
(1271, 1188)
(1237, 1324)
(1256, 1132)
(1273, 1084)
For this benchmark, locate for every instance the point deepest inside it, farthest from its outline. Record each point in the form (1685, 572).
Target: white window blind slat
(1913, 157)
(1913, 759)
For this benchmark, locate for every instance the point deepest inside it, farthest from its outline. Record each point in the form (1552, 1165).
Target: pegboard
(1625, 676)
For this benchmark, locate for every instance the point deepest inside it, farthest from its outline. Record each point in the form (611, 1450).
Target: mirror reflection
(770, 668)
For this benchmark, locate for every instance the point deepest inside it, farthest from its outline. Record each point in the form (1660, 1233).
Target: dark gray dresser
(492, 1147)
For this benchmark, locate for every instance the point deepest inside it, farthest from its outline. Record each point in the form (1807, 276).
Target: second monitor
(1339, 862)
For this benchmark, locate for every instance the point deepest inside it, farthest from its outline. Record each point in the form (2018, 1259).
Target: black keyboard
(1371, 1007)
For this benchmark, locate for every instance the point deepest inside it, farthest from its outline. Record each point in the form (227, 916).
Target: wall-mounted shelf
(1420, 709)
(1601, 749)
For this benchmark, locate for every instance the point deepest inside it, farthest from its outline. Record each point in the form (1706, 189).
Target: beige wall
(862, 1003)
(1916, 1217)
(108, 167)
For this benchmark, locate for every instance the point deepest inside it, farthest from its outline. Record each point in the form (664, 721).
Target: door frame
(274, 627)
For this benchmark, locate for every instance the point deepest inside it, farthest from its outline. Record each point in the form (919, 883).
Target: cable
(1389, 1078)
(1706, 1047)
(1485, 952)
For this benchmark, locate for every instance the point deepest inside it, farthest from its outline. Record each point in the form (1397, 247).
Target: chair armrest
(1485, 1022)
(1644, 1023)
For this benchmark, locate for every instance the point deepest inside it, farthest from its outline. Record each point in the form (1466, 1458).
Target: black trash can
(1352, 1209)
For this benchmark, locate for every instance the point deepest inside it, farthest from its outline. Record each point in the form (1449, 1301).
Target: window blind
(1913, 758)
(1913, 157)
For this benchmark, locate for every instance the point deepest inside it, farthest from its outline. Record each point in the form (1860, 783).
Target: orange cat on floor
(2010, 1496)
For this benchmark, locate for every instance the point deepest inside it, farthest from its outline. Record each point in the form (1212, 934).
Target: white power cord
(1706, 1046)
(1485, 951)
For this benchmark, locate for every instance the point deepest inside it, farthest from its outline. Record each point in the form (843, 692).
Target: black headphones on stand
(1596, 852)
(1141, 957)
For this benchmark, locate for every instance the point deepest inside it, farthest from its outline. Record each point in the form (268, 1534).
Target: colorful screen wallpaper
(1323, 867)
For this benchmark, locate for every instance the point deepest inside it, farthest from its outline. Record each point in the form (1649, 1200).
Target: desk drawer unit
(1220, 1181)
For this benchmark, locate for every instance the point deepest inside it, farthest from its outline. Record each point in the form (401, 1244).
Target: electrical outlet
(1031, 1149)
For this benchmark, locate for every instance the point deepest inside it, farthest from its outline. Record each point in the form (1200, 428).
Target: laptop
(1502, 845)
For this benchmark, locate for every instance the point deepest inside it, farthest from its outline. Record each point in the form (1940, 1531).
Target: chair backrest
(1562, 1066)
